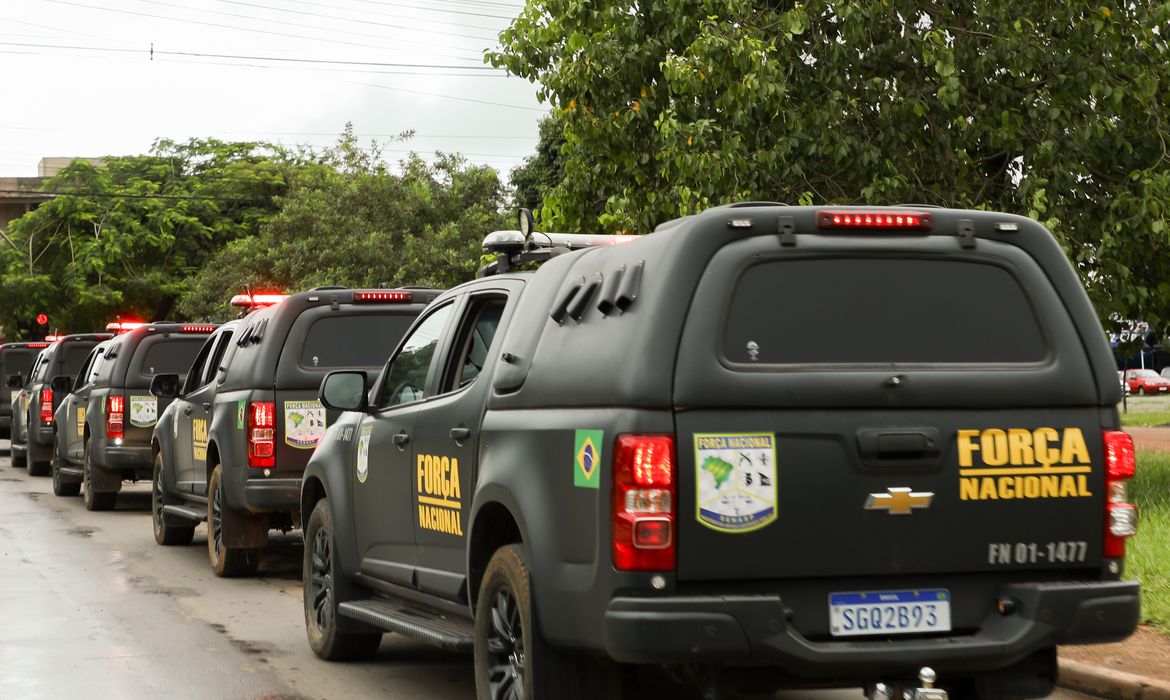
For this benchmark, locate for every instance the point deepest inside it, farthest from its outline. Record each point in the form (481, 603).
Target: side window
(83, 377)
(213, 366)
(42, 368)
(474, 342)
(195, 374)
(406, 378)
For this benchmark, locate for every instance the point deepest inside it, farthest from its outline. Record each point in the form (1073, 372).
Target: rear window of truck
(17, 361)
(353, 341)
(172, 355)
(854, 311)
(71, 356)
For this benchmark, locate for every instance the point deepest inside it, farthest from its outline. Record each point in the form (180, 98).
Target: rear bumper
(136, 457)
(754, 630)
(272, 495)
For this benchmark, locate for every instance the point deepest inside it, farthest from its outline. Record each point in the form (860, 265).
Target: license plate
(889, 612)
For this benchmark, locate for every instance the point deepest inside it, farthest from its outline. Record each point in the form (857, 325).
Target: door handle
(207, 406)
(460, 434)
(186, 410)
(401, 439)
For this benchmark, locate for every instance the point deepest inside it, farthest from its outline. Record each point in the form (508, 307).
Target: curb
(1107, 683)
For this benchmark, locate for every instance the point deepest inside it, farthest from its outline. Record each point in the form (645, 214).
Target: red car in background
(1146, 381)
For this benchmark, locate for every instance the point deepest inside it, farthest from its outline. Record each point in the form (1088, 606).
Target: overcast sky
(78, 79)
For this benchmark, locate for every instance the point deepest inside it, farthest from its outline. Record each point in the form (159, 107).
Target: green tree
(1053, 110)
(350, 221)
(123, 238)
(543, 170)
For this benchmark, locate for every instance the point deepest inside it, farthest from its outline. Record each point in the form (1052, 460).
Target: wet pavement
(90, 606)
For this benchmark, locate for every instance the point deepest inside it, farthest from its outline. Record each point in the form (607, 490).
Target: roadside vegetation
(1145, 419)
(1148, 554)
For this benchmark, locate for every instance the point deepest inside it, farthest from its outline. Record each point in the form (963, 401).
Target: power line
(126, 195)
(363, 21)
(278, 59)
(315, 27)
(224, 26)
(387, 14)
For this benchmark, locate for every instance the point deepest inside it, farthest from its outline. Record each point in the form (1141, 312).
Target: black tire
(226, 562)
(93, 500)
(512, 662)
(63, 488)
(166, 535)
(20, 461)
(36, 468)
(320, 595)
(1141, 391)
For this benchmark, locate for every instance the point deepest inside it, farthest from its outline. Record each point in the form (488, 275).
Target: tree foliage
(350, 221)
(543, 170)
(1053, 110)
(123, 238)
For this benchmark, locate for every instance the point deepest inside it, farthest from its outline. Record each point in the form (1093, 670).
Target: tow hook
(927, 677)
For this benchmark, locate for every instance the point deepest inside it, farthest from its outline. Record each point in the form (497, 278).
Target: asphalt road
(90, 606)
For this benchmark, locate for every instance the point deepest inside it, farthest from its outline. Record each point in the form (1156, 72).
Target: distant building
(48, 167)
(19, 195)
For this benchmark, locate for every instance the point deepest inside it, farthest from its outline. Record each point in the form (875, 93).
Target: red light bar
(890, 220)
(51, 339)
(196, 329)
(374, 297)
(256, 301)
(123, 326)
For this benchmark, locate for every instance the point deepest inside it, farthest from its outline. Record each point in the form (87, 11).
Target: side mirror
(15, 381)
(61, 385)
(165, 386)
(344, 391)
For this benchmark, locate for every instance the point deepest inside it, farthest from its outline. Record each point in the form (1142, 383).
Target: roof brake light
(123, 326)
(36, 345)
(196, 328)
(884, 220)
(380, 296)
(256, 301)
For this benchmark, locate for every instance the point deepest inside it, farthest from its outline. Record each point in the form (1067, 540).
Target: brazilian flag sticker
(587, 458)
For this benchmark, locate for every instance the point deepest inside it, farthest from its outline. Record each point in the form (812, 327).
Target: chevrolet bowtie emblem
(899, 500)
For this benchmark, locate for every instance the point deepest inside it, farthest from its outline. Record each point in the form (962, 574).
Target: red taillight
(196, 329)
(644, 504)
(1120, 516)
(115, 415)
(47, 406)
(905, 220)
(261, 434)
(376, 297)
(36, 345)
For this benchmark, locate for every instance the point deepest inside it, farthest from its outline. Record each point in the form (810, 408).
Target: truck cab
(16, 359)
(797, 446)
(104, 425)
(231, 449)
(33, 443)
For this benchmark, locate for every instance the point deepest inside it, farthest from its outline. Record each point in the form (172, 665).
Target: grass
(1145, 419)
(1148, 553)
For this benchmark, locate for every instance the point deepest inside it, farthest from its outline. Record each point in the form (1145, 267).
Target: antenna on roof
(526, 244)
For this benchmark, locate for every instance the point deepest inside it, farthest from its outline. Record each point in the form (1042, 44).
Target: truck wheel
(63, 488)
(165, 534)
(95, 501)
(320, 593)
(511, 659)
(226, 562)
